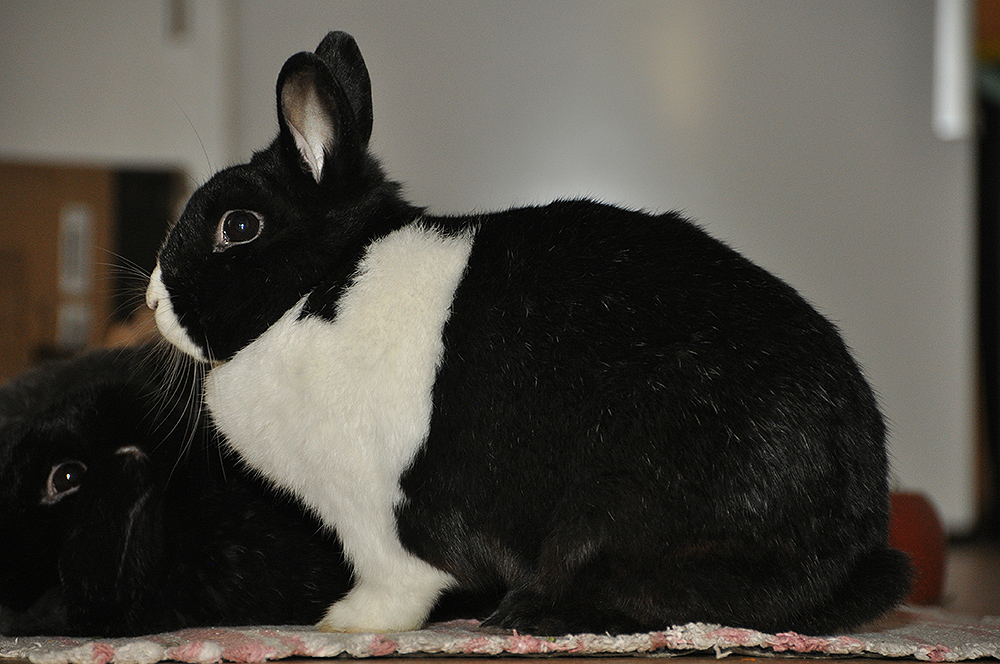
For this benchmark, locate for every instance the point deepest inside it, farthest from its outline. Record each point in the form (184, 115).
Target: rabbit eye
(64, 479)
(238, 227)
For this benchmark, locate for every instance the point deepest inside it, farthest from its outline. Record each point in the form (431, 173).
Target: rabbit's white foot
(381, 608)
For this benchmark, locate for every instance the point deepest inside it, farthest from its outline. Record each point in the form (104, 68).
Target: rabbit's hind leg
(596, 599)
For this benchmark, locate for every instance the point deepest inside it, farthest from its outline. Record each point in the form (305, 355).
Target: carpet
(920, 633)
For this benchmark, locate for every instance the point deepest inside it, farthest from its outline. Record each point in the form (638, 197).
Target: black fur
(633, 425)
(703, 444)
(165, 538)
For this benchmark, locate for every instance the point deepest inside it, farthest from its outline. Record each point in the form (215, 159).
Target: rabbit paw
(371, 608)
(527, 614)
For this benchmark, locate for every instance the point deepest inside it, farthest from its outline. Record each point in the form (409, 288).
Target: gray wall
(102, 81)
(797, 130)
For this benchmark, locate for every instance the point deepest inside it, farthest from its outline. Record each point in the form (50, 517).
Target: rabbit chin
(158, 299)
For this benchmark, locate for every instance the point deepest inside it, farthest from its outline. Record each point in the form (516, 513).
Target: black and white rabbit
(120, 514)
(609, 416)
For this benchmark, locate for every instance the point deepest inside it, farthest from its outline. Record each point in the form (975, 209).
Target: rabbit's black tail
(880, 580)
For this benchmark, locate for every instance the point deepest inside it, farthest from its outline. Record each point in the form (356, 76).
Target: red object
(914, 528)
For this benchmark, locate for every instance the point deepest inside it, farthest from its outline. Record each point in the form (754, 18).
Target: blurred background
(834, 143)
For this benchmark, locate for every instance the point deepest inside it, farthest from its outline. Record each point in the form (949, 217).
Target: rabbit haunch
(376, 360)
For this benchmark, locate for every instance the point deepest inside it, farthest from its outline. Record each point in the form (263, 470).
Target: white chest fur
(335, 411)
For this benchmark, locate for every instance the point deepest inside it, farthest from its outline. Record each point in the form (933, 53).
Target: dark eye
(238, 227)
(64, 479)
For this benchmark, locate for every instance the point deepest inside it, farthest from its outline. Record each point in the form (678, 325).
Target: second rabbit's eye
(238, 227)
(64, 479)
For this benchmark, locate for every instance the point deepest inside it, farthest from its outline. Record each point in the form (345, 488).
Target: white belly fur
(335, 411)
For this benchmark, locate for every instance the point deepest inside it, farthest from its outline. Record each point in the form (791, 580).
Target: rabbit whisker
(133, 514)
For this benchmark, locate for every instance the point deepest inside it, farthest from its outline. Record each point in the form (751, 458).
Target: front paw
(374, 610)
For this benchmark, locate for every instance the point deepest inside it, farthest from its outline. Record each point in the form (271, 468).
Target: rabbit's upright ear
(324, 108)
(343, 57)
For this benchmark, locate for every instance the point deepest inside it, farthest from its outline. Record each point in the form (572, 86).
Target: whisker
(178, 398)
(133, 516)
(208, 160)
(210, 356)
(128, 323)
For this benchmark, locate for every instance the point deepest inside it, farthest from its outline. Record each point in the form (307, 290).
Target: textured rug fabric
(923, 634)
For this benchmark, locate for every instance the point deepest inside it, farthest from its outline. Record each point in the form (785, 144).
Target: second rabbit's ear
(324, 108)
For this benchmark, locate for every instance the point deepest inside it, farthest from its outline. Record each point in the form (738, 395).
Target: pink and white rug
(924, 634)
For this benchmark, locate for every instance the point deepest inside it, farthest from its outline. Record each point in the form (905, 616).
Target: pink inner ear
(311, 125)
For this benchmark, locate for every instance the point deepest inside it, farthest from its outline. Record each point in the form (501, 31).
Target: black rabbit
(122, 516)
(609, 417)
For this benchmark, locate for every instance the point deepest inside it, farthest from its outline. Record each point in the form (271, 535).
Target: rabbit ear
(308, 112)
(324, 107)
(343, 57)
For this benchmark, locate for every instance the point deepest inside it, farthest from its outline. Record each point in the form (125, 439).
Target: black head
(259, 236)
(74, 455)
